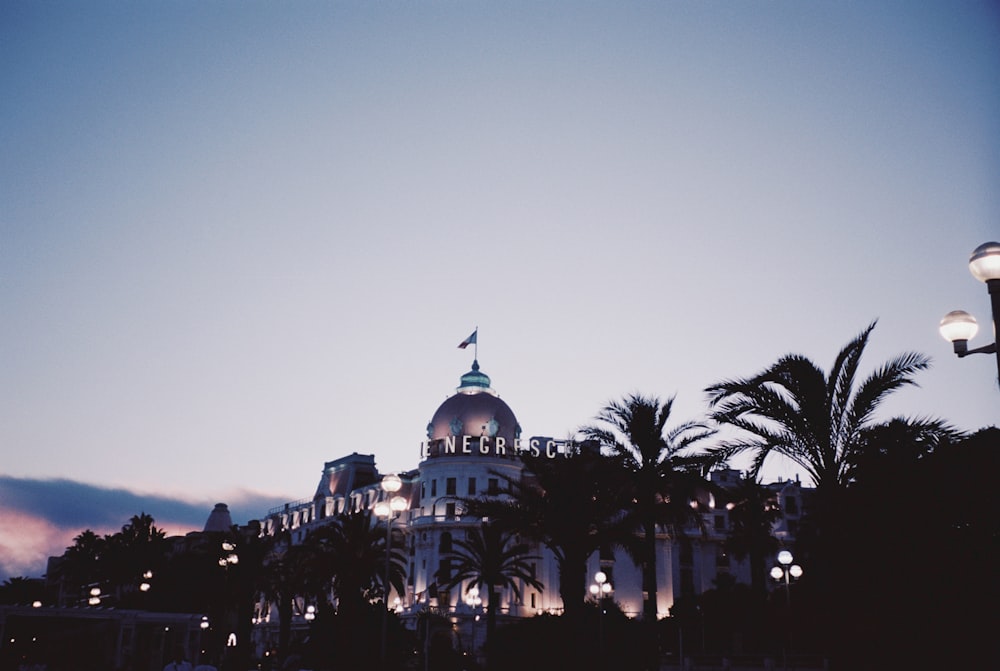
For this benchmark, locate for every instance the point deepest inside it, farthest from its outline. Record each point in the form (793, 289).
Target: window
(791, 505)
(472, 486)
(449, 510)
(445, 544)
(444, 571)
(434, 487)
(493, 486)
(720, 522)
(533, 600)
(450, 487)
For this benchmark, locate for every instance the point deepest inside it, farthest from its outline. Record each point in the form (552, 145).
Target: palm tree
(817, 420)
(665, 474)
(278, 583)
(21, 590)
(567, 504)
(753, 510)
(348, 556)
(139, 547)
(493, 558)
(824, 423)
(81, 565)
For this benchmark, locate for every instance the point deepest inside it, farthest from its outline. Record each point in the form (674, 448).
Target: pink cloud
(27, 542)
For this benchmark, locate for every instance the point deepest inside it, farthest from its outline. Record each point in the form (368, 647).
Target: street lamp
(959, 326)
(230, 558)
(600, 589)
(473, 601)
(786, 571)
(389, 510)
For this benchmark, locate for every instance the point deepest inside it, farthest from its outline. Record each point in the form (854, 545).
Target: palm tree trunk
(284, 624)
(491, 623)
(573, 586)
(649, 571)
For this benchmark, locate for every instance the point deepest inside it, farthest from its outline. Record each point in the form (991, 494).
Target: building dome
(219, 519)
(473, 421)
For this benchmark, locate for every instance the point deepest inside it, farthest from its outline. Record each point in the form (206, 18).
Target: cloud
(40, 517)
(26, 542)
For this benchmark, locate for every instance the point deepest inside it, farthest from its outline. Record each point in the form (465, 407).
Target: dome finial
(475, 382)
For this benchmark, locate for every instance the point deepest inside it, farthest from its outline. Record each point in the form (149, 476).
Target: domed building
(473, 440)
(471, 447)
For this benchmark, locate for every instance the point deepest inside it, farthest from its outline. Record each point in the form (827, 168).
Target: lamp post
(473, 601)
(600, 589)
(787, 571)
(230, 605)
(959, 326)
(389, 510)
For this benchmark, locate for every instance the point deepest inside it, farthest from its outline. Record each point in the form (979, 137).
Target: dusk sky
(240, 239)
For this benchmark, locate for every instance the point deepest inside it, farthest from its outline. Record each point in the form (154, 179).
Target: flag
(468, 341)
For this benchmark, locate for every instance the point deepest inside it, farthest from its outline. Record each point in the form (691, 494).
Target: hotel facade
(471, 448)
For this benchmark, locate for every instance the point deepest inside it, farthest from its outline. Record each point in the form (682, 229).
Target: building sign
(496, 446)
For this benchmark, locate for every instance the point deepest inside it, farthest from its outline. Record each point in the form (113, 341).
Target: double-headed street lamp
(958, 326)
(389, 509)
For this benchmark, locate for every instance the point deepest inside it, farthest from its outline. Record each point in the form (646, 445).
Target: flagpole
(476, 351)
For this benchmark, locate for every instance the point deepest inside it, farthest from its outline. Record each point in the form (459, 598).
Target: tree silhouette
(817, 420)
(665, 474)
(753, 510)
(825, 423)
(493, 559)
(570, 505)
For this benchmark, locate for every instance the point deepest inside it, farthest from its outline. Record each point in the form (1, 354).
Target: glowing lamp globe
(958, 325)
(391, 483)
(984, 264)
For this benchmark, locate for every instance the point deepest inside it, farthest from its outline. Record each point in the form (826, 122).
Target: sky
(240, 239)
